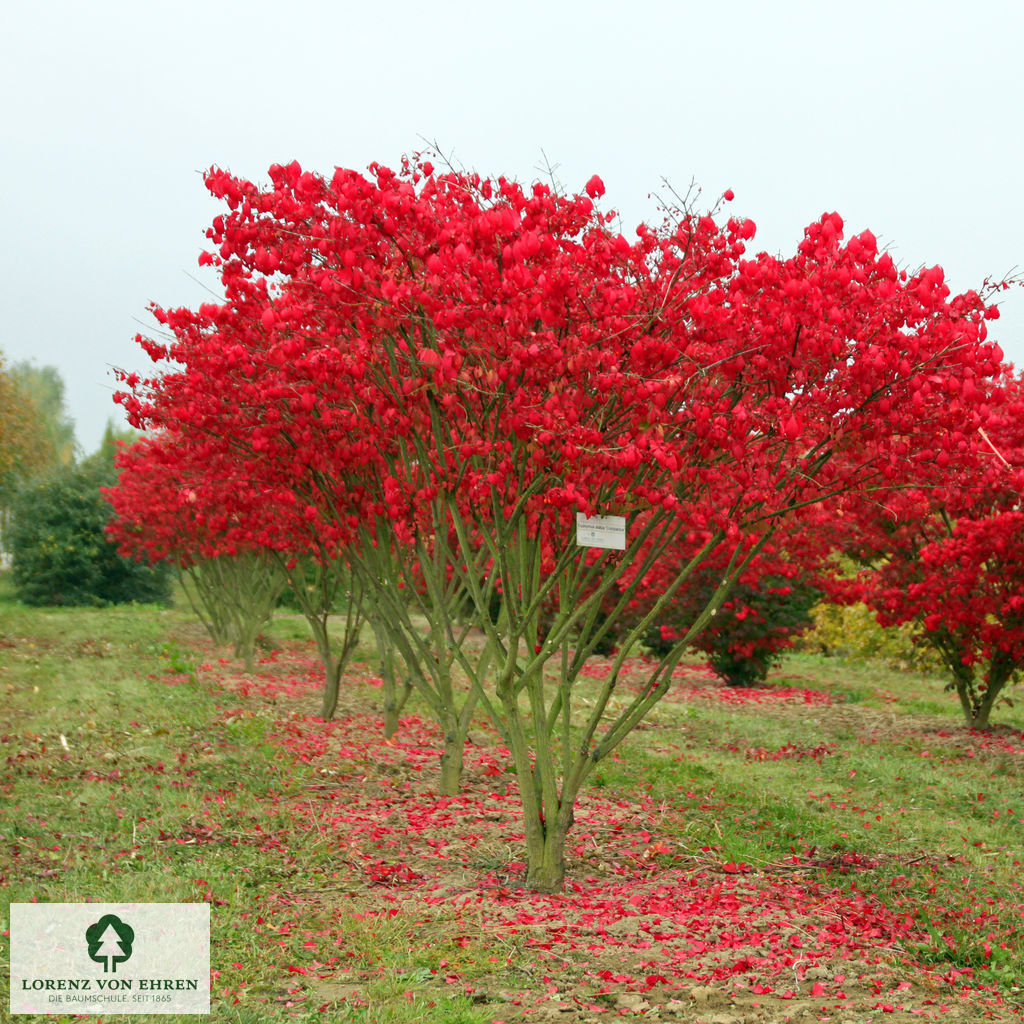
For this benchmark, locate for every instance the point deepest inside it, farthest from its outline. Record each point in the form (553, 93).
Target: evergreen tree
(60, 553)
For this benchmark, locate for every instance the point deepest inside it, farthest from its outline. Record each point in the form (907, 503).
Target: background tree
(35, 434)
(767, 609)
(45, 389)
(948, 557)
(60, 554)
(19, 453)
(158, 518)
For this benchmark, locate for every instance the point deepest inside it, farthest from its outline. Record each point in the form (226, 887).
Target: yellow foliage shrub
(852, 632)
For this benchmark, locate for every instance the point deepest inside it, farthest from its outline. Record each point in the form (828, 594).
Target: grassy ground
(831, 847)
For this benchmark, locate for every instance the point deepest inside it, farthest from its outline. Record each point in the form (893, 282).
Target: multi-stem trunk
(421, 626)
(976, 700)
(205, 598)
(394, 694)
(452, 756)
(545, 851)
(554, 752)
(316, 585)
(234, 596)
(547, 800)
(335, 656)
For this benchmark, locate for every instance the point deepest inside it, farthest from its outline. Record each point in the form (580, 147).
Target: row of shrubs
(60, 556)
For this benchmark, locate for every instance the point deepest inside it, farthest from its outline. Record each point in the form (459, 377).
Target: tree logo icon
(110, 942)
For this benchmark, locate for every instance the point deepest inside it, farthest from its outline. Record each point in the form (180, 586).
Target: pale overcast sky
(903, 116)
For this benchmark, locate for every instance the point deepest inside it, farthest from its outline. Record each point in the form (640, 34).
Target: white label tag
(601, 531)
(89, 958)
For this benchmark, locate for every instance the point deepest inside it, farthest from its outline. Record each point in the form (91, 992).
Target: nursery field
(833, 846)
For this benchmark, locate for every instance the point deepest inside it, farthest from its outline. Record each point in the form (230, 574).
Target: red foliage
(169, 503)
(765, 609)
(670, 372)
(948, 555)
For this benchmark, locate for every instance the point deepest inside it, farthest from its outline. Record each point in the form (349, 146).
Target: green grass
(89, 722)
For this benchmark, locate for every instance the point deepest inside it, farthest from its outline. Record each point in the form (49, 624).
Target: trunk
(332, 678)
(334, 664)
(456, 726)
(316, 587)
(1000, 670)
(976, 698)
(980, 721)
(392, 703)
(963, 683)
(963, 694)
(246, 649)
(547, 812)
(332, 669)
(545, 856)
(394, 695)
(976, 708)
(451, 760)
(249, 656)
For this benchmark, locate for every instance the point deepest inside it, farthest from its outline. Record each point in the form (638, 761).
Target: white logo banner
(110, 958)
